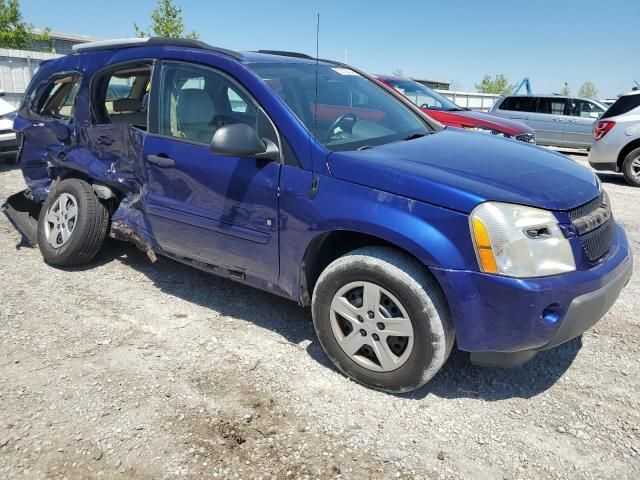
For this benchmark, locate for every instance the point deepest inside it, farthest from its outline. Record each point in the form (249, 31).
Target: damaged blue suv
(311, 180)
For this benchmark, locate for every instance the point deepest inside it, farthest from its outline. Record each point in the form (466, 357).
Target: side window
(550, 105)
(584, 108)
(122, 96)
(58, 98)
(195, 101)
(518, 104)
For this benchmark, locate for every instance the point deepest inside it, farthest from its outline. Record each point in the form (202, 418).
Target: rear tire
(404, 292)
(72, 224)
(631, 168)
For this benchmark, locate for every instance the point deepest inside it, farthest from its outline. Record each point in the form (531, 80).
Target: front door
(578, 132)
(215, 209)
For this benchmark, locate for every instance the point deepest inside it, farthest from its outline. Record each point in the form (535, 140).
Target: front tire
(631, 168)
(72, 224)
(382, 319)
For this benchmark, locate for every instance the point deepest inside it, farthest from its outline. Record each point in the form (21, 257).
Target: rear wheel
(631, 168)
(72, 224)
(382, 319)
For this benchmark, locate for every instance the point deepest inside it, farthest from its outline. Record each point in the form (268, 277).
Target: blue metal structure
(524, 83)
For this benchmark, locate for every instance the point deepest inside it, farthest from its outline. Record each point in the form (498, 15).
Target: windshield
(351, 112)
(422, 96)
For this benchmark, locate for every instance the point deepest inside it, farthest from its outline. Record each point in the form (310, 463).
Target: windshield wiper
(413, 136)
(364, 147)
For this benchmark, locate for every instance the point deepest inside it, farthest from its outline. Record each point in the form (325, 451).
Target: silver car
(616, 136)
(557, 121)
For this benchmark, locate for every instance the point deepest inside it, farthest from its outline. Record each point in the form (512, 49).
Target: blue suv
(311, 180)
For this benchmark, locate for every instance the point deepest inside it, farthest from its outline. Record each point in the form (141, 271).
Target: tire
(412, 293)
(84, 233)
(631, 168)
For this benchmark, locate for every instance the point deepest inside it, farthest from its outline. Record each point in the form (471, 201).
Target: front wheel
(72, 225)
(631, 168)
(382, 319)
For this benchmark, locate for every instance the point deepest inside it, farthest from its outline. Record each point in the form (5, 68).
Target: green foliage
(14, 31)
(566, 91)
(166, 21)
(499, 85)
(588, 90)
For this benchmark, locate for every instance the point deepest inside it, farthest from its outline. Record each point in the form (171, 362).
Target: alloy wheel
(61, 220)
(371, 326)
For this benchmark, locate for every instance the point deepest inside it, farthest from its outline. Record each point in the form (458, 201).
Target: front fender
(437, 236)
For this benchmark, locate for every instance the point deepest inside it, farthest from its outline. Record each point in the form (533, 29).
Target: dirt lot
(126, 369)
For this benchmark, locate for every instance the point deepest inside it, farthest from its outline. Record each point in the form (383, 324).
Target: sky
(551, 42)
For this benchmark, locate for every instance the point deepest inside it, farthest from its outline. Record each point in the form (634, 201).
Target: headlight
(489, 131)
(519, 241)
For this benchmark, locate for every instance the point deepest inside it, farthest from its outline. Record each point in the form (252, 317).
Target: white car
(616, 145)
(8, 142)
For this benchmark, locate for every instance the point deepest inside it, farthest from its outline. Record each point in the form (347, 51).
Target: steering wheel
(338, 121)
(425, 105)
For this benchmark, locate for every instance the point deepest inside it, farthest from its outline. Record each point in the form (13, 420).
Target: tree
(14, 31)
(166, 22)
(397, 72)
(566, 91)
(588, 90)
(498, 85)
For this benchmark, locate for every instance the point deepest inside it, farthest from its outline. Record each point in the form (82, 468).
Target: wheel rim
(371, 326)
(635, 167)
(61, 220)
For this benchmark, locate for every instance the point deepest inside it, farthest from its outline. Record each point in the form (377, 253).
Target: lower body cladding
(505, 321)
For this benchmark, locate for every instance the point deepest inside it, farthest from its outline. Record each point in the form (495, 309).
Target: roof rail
(284, 53)
(150, 42)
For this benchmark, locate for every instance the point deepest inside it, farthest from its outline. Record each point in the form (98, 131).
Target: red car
(448, 113)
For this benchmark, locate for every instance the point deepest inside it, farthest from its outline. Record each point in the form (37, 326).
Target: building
(434, 84)
(60, 43)
(18, 66)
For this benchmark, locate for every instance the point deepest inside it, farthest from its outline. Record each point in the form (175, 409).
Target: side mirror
(241, 140)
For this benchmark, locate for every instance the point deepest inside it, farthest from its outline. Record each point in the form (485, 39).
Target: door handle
(161, 160)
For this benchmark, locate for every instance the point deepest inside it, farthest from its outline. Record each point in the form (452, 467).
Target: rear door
(549, 120)
(583, 114)
(215, 209)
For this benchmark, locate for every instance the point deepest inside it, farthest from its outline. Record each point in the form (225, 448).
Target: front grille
(586, 209)
(595, 225)
(527, 137)
(597, 243)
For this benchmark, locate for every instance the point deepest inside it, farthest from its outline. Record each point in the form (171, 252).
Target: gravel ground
(127, 369)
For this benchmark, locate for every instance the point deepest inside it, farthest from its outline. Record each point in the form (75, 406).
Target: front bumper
(505, 321)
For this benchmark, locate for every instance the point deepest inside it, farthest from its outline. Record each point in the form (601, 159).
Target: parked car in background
(311, 180)
(8, 142)
(616, 145)
(558, 121)
(450, 114)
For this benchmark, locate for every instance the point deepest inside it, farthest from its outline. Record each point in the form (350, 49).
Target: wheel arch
(628, 148)
(326, 247)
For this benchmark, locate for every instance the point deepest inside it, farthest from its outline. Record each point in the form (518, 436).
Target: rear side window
(58, 98)
(551, 105)
(623, 105)
(518, 104)
(122, 96)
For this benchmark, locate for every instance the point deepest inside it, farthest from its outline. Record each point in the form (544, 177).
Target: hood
(458, 170)
(481, 119)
